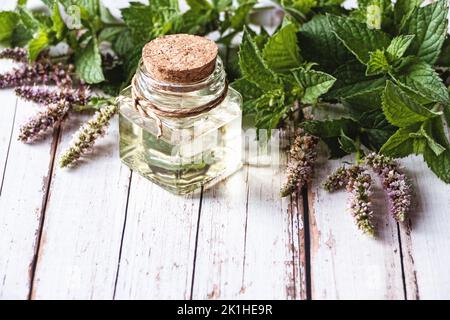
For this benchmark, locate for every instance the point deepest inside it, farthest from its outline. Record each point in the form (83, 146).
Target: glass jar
(182, 154)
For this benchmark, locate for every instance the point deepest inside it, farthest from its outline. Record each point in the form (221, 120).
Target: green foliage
(377, 64)
(398, 46)
(8, 21)
(382, 66)
(321, 45)
(39, 42)
(275, 78)
(401, 110)
(358, 38)
(281, 52)
(89, 63)
(253, 67)
(313, 83)
(429, 25)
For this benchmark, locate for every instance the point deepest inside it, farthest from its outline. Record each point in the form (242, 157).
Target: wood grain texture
(426, 239)
(346, 264)
(6, 127)
(248, 243)
(158, 245)
(22, 202)
(81, 236)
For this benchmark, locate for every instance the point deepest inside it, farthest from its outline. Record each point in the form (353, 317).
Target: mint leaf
(138, 18)
(8, 21)
(329, 128)
(398, 46)
(427, 131)
(270, 109)
(321, 45)
(89, 63)
(106, 15)
(377, 64)
(239, 17)
(58, 24)
(90, 6)
(221, 5)
(346, 143)
(253, 67)
(366, 99)
(401, 110)
(111, 34)
(352, 81)
(28, 20)
(444, 58)
(20, 36)
(330, 131)
(358, 38)
(401, 144)
(424, 81)
(429, 24)
(281, 52)
(314, 83)
(440, 165)
(250, 93)
(403, 9)
(199, 4)
(37, 44)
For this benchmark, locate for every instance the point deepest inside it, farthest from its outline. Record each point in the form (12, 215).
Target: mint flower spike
(337, 180)
(395, 183)
(16, 54)
(46, 96)
(43, 121)
(40, 72)
(301, 163)
(84, 139)
(360, 188)
(26, 74)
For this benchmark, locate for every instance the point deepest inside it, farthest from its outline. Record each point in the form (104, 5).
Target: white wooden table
(100, 231)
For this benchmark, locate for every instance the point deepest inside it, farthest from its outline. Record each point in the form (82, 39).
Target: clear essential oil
(182, 154)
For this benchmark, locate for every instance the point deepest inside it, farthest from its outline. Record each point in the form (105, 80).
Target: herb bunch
(100, 53)
(378, 72)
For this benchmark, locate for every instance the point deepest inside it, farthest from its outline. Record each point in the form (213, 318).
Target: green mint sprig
(391, 74)
(276, 77)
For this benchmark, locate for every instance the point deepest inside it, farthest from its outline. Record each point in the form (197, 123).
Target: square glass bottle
(180, 123)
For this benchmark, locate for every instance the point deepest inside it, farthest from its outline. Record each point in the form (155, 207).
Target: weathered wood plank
(22, 201)
(158, 245)
(346, 264)
(6, 127)
(426, 240)
(81, 236)
(248, 244)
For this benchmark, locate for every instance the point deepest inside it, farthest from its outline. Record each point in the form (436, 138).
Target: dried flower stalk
(43, 121)
(359, 186)
(38, 73)
(46, 96)
(395, 183)
(16, 54)
(301, 163)
(85, 138)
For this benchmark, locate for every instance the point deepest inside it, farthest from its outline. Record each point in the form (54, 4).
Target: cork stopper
(180, 58)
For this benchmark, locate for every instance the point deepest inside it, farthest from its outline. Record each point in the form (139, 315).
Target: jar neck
(180, 95)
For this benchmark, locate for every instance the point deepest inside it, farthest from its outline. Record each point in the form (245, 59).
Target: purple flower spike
(360, 188)
(43, 121)
(395, 184)
(15, 54)
(301, 164)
